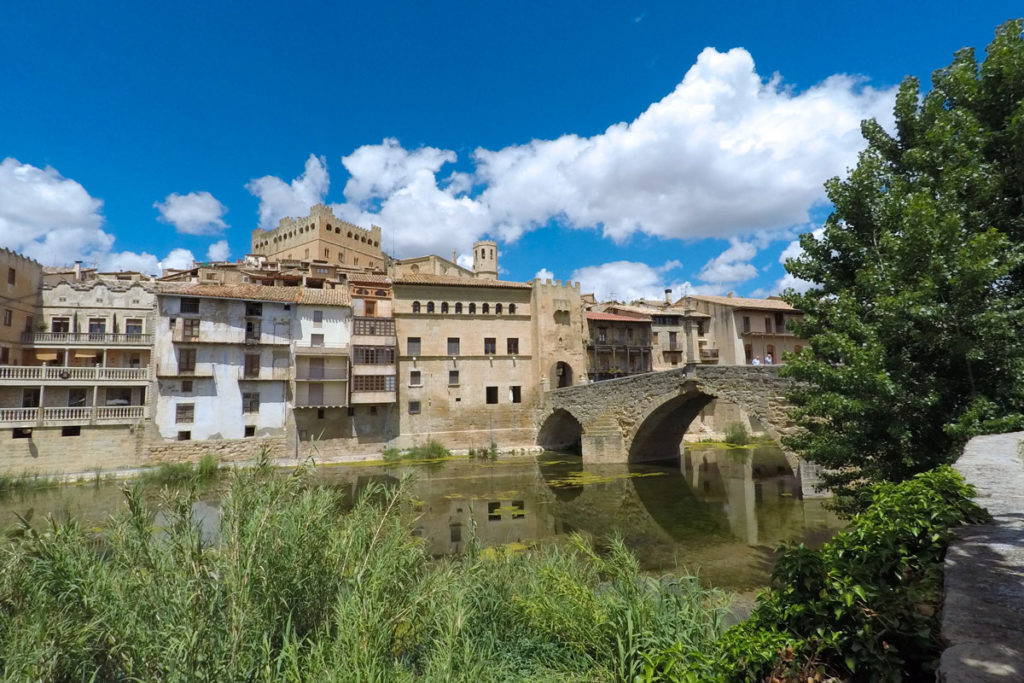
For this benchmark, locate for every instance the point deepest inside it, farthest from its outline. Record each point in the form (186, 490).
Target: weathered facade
(20, 282)
(322, 236)
(747, 329)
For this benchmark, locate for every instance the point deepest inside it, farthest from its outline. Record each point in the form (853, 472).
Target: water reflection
(720, 510)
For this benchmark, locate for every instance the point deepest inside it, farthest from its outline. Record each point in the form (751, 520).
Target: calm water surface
(721, 511)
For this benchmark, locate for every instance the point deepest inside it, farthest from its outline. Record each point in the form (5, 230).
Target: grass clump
(432, 450)
(26, 481)
(736, 434)
(865, 607)
(173, 473)
(296, 589)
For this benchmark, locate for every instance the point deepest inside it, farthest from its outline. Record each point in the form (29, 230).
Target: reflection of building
(618, 345)
(747, 328)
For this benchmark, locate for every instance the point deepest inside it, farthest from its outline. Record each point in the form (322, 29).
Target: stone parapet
(983, 611)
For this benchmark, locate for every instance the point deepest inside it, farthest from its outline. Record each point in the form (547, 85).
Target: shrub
(865, 606)
(736, 434)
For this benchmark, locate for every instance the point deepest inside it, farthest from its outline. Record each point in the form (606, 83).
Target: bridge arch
(661, 428)
(561, 431)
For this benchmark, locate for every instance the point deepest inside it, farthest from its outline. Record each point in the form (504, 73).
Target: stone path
(983, 614)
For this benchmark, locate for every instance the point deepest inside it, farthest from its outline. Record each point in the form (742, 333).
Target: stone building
(322, 236)
(20, 281)
(671, 327)
(744, 329)
(618, 345)
(83, 380)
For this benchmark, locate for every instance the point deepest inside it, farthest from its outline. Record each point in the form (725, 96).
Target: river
(720, 512)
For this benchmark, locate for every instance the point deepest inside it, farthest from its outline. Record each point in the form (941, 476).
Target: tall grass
(182, 472)
(297, 589)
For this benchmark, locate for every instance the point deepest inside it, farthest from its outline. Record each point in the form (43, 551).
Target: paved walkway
(983, 614)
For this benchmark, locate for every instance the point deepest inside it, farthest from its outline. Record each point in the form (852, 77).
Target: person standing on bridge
(756, 361)
(767, 359)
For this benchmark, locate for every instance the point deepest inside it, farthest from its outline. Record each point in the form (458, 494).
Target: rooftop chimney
(668, 295)
(729, 294)
(78, 271)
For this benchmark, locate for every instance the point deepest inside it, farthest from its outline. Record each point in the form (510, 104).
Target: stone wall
(95, 448)
(983, 609)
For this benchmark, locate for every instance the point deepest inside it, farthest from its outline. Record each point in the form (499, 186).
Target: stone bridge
(642, 418)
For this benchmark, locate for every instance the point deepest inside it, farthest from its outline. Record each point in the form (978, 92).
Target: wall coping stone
(983, 611)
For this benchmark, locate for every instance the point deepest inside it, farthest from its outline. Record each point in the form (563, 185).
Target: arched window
(444, 306)
(511, 309)
(497, 309)
(485, 309)
(472, 309)
(458, 308)
(415, 306)
(430, 307)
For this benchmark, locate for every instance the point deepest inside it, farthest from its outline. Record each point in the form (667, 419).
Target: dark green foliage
(916, 315)
(297, 589)
(864, 607)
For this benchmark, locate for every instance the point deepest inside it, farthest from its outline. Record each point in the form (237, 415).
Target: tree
(915, 318)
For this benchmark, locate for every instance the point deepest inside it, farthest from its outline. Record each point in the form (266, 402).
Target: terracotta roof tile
(598, 315)
(741, 302)
(251, 292)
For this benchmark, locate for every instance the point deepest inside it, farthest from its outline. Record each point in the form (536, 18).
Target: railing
(56, 372)
(86, 338)
(51, 414)
(709, 354)
(311, 375)
(321, 350)
(264, 373)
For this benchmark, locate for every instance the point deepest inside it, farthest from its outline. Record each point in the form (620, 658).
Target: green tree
(915, 317)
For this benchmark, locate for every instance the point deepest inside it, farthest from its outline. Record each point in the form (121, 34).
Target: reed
(297, 588)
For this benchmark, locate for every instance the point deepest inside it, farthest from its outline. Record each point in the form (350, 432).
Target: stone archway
(661, 431)
(561, 375)
(561, 431)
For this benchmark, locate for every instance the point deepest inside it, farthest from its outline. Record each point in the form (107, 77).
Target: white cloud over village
(195, 213)
(56, 221)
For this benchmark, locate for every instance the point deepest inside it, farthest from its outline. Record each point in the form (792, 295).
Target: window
(454, 530)
(250, 430)
(746, 323)
(252, 330)
(60, 325)
(485, 309)
(472, 309)
(12, 276)
(412, 346)
(430, 307)
(185, 436)
(414, 407)
(492, 395)
(373, 327)
(327, 253)
(8, 317)
(415, 379)
(316, 340)
(453, 378)
(189, 305)
(371, 308)
(497, 309)
(30, 397)
(76, 397)
(71, 431)
(490, 344)
(444, 306)
(458, 308)
(184, 412)
(373, 355)
(415, 306)
(768, 325)
(511, 309)
(133, 326)
(250, 402)
(21, 433)
(190, 329)
(5, 355)
(253, 309)
(373, 383)
(515, 394)
(602, 335)
(494, 511)
(453, 346)
(780, 321)
(186, 360)
(186, 386)
(252, 365)
(318, 318)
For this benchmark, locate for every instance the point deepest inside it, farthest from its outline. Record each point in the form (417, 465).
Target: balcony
(64, 415)
(265, 373)
(321, 374)
(85, 339)
(709, 355)
(321, 350)
(19, 374)
(373, 332)
(374, 369)
(368, 397)
(175, 371)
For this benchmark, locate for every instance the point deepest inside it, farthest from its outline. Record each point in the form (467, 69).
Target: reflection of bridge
(642, 418)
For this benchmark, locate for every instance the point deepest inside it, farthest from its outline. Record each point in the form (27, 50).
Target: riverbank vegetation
(300, 588)
(915, 296)
(865, 607)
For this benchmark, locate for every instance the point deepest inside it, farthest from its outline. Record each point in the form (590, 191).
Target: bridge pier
(602, 442)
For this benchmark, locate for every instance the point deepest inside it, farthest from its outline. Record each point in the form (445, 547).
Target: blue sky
(631, 145)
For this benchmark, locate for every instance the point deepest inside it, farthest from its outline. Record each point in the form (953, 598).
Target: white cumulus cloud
(544, 274)
(279, 199)
(626, 280)
(731, 266)
(794, 250)
(178, 259)
(218, 251)
(195, 213)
